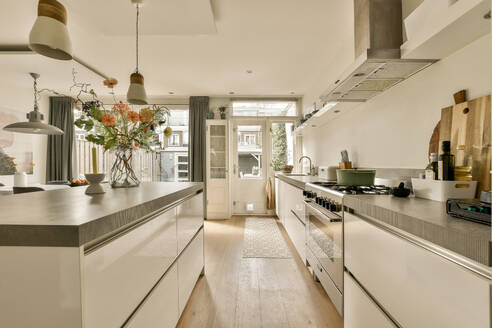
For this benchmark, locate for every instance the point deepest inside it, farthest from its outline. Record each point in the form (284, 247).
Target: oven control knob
(318, 200)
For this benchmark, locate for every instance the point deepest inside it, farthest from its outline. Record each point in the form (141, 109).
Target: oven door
(325, 240)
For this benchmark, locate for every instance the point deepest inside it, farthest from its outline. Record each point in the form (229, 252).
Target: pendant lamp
(136, 92)
(49, 35)
(35, 124)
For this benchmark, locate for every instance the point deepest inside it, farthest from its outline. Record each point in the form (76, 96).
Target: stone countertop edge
(467, 239)
(300, 180)
(44, 234)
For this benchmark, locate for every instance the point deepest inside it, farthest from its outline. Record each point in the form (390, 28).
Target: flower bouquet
(122, 130)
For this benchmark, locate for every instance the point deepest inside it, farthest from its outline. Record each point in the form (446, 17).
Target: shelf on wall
(328, 112)
(436, 30)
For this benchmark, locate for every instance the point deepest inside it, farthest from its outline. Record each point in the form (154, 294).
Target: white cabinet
(190, 265)
(160, 308)
(189, 220)
(216, 169)
(360, 311)
(291, 213)
(416, 287)
(118, 275)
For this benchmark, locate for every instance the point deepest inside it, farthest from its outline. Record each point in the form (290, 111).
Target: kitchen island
(129, 257)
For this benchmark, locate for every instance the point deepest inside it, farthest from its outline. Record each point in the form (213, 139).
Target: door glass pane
(249, 151)
(217, 152)
(282, 145)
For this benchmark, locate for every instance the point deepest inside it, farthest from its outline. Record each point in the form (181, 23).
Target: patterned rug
(262, 238)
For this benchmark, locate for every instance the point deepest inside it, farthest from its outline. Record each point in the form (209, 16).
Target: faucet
(311, 168)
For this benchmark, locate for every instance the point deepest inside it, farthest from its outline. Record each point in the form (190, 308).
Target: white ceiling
(286, 43)
(158, 17)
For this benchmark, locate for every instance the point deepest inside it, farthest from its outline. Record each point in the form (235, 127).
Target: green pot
(354, 177)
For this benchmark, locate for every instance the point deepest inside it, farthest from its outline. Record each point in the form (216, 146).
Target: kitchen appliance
(324, 232)
(328, 172)
(471, 210)
(378, 64)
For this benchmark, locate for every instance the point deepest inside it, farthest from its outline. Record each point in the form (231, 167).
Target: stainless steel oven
(325, 241)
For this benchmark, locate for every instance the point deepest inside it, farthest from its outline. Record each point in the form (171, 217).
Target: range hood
(378, 65)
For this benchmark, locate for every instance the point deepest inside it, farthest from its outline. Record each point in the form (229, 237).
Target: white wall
(393, 129)
(21, 100)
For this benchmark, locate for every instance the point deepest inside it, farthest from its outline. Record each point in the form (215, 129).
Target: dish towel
(270, 196)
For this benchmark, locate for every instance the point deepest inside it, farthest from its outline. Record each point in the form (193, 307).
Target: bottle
(446, 163)
(431, 171)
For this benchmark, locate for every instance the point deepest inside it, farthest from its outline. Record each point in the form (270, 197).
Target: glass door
(249, 172)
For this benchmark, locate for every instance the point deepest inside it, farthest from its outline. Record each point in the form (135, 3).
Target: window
(174, 140)
(266, 108)
(249, 139)
(282, 145)
(174, 158)
(249, 151)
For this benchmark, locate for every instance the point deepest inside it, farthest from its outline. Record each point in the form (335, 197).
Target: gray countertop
(423, 218)
(298, 181)
(71, 218)
(428, 220)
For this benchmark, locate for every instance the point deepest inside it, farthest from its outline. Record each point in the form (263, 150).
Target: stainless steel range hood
(378, 65)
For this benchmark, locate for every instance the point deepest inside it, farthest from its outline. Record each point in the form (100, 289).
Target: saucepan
(355, 177)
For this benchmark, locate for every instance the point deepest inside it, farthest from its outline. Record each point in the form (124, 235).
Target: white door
(217, 173)
(249, 169)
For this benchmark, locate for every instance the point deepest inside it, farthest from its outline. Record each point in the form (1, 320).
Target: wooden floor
(254, 292)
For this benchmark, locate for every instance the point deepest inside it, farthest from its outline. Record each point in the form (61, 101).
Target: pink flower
(133, 116)
(108, 120)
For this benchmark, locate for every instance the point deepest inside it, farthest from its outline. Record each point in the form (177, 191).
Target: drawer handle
(319, 268)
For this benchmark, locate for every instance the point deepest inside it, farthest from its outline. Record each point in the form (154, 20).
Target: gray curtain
(60, 148)
(198, 115)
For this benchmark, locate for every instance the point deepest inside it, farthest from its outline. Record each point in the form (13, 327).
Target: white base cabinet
(360, 310)
(190, 265)
(289, 200)
(160, 309)
(417, 287)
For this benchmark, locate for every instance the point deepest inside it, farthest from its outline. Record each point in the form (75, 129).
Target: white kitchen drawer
(297, 233)
(360, 311)
(331, 290)
(117, 276)
(190, 220)
(160, 308)
(190, 265)
(415, 286)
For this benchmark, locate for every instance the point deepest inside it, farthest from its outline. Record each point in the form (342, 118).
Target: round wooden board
(434, 140)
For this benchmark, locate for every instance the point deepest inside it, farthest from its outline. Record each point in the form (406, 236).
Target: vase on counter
(122, 174)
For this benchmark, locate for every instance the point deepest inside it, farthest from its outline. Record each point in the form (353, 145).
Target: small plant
(222, 111)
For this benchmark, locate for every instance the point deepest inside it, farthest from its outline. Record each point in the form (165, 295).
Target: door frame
(267, 151)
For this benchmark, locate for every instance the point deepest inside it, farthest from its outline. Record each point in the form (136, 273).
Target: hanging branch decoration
(120, 126)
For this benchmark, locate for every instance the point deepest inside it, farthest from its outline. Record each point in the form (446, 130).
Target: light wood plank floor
(256, 292)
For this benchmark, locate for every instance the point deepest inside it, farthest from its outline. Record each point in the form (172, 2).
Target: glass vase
(122, 173)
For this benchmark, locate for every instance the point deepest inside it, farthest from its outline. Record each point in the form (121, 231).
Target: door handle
(234, 168)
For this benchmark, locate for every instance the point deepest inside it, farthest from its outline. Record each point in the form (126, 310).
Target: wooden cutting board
(468, 124)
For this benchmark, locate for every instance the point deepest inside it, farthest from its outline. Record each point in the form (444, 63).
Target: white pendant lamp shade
(49, 35)
(35, 124)
(136, 92)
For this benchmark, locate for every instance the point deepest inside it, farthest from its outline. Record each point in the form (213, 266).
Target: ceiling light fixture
(49, 35)
(136, 92)
(249, 71)
(35, 124)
